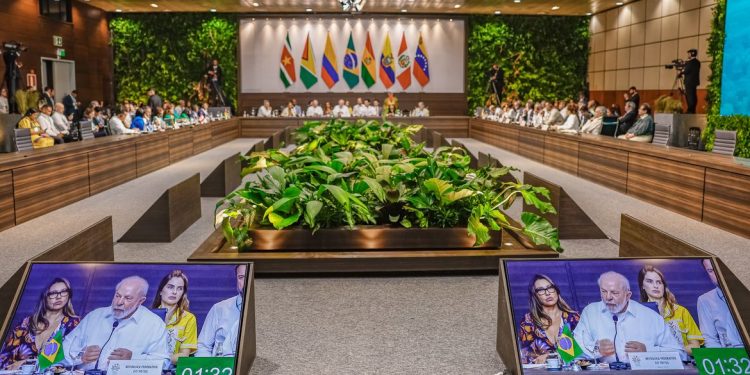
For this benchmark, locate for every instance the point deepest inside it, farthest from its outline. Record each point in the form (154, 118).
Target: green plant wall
(543, 57)
(170, 51)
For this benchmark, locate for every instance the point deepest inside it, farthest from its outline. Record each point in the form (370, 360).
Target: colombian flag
(351, 64)
(307, 66)
(368, 63)
(567, 346)
(329, 70)
(421, 64)
(286, 65)
(52, 351)
(404, 64)
(387, 67)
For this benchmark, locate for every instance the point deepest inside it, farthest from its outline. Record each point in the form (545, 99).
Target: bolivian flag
(387, 66)
(329, 69)
(286, 65)
(52, 351)
(307, 65)
(567, 346)
(351, 64)
(368, 63)
(421, 64)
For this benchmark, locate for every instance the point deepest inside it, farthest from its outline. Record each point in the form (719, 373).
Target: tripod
(494, 95)
(679, 83)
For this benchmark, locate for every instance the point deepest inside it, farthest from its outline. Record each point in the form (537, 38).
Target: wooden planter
(366, 238)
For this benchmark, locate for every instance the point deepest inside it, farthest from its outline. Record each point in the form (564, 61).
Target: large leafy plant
(370, 172)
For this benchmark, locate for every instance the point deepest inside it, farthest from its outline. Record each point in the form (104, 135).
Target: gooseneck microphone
(114, 325)
(614, 319)
(617, 365)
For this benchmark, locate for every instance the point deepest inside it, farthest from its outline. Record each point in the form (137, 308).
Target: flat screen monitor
(600, 311)
(84, 316)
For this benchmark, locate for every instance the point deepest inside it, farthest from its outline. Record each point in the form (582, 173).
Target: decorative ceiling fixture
(354, 6)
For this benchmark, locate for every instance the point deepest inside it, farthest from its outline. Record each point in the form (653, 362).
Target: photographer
(497, 81)
(691, 73)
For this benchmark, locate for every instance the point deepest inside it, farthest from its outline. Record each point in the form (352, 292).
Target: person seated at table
(328, 109)
(289, 110)
(359, 108)
(48, 125)
(182, 327)
(117, 125)
(53, 313)
(370, 110)
(148, 125)
(594, 124)
(420, 111)
(376, 108)
(138, 121)
(643, 129)
(39, 139)
(341, 109)
(97, 128)
(158, 120)
(169, 119)
(653, 287)
(265, 110)
(221, 322)
(543, 325)
(626, 121)
(98, 123)
(124, 330)
(203, 112)
(183, 117)
(639, 329)
(552, 116)
(571, 124)
(716, 321)
(314, 109)
(195, 113)
(390, 104)
(61, 122)
(297, 108)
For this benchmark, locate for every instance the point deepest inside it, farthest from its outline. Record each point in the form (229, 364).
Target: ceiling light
(516, 1)
(403, 10)
(588, 14)
(118, 10)
(497, 12)
(457, 6)
(256, 4)
(154, 5)
(212, 10)
(308, 10)
(619, 3)
(352, 5)
(555, 7)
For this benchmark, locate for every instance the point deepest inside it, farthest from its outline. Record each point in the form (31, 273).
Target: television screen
(82, 316)
(602, 312)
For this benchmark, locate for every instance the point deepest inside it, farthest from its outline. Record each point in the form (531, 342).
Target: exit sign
(60, 52)
(57, 41)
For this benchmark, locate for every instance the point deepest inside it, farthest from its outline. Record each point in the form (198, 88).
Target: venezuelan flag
(421, 64)
(567, 346)
(387, 66)
(307, 65)
(329, 70)
(368, 63)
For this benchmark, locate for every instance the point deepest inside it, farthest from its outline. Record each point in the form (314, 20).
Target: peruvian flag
(404, 64)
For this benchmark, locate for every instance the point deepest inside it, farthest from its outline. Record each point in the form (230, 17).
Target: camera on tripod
(678, 64)
(13, 47)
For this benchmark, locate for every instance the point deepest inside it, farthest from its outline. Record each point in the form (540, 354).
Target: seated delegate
(643, 129)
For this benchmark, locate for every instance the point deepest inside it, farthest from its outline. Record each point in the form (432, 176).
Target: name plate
(135, 367)
(655, 361)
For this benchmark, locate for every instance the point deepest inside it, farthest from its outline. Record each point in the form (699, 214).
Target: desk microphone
(95, 370)
(617, 365)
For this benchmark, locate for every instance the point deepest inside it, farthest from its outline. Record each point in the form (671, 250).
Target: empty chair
(85, 130)
(725, 142)
(661, 134)
(23, 139)
(609, 126)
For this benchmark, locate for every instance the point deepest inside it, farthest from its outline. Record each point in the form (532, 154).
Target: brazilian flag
(52, 351)
(567, 346)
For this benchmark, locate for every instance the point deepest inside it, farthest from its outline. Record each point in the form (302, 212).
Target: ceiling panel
(566, 7)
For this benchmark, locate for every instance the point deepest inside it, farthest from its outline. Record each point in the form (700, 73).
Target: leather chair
(23, 139)
(662, 133)
(85, 130)
(609, 126)
(725, 142)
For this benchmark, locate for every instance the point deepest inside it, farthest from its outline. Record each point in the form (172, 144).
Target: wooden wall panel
(7, 211)
(561, 154)
(180, 145)
(111, 167)
(44, 187)
(450, 127)
(604, 166)
(673, 185)
(152, 154)
(201, 139)
(726, 203)
(264, 128)
(531, 145)
(224, 132)
(484, 131)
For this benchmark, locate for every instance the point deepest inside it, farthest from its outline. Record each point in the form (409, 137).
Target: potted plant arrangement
(349, 183)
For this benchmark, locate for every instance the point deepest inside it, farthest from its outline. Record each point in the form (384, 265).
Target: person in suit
(49, 96)
(628, 119)
(632, 96)
(691, 74)
(70, 103)
(216, 80)
(154, 100)
(496, 78)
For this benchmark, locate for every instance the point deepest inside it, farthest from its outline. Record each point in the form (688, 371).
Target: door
(60, 75)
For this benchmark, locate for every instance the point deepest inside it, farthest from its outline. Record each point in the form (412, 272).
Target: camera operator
(691, 73)
(497, 80)
(11, 51)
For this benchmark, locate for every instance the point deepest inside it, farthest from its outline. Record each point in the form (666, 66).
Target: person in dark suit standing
(633, 96)
(628, 119)
(691, 74)
(496, 79)
(70, 103)
(154, 101)
(216, 80)
(49, 96)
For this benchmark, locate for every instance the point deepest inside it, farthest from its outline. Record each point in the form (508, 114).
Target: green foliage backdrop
(543, 57)
(170, 51)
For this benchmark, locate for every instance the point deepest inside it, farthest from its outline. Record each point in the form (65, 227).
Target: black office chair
(609, 126)
(85, 131)
(23, 139)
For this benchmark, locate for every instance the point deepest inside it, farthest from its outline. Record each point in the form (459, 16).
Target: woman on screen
(653, 287)
(182, 328)
(53, 313)
(542, 326)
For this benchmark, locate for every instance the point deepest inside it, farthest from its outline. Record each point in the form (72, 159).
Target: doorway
(60, 75)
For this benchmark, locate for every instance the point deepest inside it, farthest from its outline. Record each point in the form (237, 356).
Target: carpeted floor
(362, 325)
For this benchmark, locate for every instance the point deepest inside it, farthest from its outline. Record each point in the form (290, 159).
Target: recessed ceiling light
(308, 10)
(588, 14)
(403, 10)
(118, 10)
(154, 5)
(457, 6)
(555, 7)
(497, 12)
(212, 10)
(619, 3)
(256, 4)
(516, 1)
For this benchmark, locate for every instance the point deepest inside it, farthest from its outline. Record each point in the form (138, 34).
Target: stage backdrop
(438, 66)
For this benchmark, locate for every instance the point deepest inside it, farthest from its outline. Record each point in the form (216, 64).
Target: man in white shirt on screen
(341, 109)
(219, 333)
(637, 327)
(716, 322)
(123, 331)
(314, 110)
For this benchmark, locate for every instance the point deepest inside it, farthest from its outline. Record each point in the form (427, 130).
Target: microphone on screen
(95, 370)
(617, 365)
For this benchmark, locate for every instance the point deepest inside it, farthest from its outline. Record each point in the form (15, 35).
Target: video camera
(678, 64)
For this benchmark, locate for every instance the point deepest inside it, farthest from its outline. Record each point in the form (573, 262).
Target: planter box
(367, 238)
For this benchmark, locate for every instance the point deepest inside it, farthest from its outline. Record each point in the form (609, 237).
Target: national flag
(307, 65)
(567, 346)
(52, 351)
(351, 64)
(286, 65)
(329, 70)
(404, 64)
(387, 66)
(421, 64)
(368, 63)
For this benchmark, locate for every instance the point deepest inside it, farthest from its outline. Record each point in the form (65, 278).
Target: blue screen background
(735, 79)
